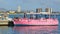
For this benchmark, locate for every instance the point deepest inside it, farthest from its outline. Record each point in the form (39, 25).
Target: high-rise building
(38, 10)
(48, 10)
(19, 9)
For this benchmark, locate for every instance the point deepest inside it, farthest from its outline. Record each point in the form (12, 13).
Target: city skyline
(30, 4)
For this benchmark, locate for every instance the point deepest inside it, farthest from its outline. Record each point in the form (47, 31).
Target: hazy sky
(30, 4)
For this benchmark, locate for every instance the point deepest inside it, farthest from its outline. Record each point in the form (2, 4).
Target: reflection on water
(29, 30)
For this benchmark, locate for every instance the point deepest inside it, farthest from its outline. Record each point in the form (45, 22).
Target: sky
(30, 4)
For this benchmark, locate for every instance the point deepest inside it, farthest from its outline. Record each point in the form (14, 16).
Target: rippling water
(30, 30)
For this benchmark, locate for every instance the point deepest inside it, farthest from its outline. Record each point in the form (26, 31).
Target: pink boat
(32, 21)
(41, 21)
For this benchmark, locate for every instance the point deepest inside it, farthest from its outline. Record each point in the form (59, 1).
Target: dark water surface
(30, 30)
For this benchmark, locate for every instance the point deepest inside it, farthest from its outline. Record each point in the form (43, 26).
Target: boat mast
(24, 14)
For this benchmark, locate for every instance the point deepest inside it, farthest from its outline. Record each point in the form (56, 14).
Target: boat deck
(3, 22)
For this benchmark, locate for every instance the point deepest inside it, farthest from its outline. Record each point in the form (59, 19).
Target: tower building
(38, 10)
(48, 10)
(19, 9)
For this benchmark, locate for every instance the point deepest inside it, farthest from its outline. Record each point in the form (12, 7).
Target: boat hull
(33, 25)
(36, 21)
